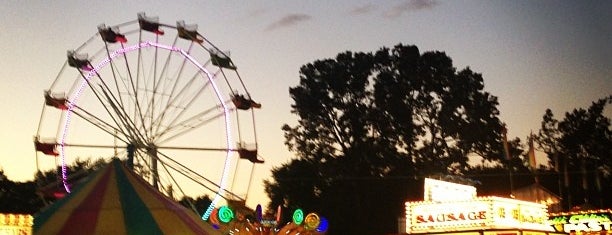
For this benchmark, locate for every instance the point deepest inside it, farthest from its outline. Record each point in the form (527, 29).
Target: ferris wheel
(161, 97)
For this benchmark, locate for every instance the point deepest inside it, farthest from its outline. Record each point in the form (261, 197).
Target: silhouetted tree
(18, 197)
(578, 148)
(198, 204)
(372, 125)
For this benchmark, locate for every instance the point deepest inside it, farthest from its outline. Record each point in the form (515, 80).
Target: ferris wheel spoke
(166, 63)
(90, 145)
(183, 103)
(164, 73)
(175, 182)
(127, 122)
(101, 101)
(189, 124)
(101, 124)
(120, 115)
(147, 170)
(113, 73)
(171, 104)
(114, 98)
(155, 96)
(137, 109)
(154, 93)
(196, 177)
(131, 83)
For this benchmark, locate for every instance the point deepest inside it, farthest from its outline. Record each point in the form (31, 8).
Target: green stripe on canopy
(138, 218)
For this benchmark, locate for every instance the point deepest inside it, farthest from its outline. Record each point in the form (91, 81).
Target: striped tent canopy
(115, 200)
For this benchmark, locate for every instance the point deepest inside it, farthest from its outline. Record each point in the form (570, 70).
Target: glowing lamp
(225, 214)
(323, 225)
(311, 221)
(298, 216)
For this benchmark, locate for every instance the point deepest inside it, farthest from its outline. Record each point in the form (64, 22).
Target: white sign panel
(442, 191)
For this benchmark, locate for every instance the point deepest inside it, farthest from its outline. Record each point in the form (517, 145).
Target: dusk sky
(533, 55)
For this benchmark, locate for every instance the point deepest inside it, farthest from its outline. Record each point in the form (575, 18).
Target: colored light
(258, 213)
(298, 216)
(323, 225)
(225, 214)
(278, 214)
(312, 221)
(214, 217)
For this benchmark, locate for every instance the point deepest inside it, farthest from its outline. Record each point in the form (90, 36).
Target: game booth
(454, 208)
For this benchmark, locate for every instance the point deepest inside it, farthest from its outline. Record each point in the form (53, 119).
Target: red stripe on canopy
(87, 213)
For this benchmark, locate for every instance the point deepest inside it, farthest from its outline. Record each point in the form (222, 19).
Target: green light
(298, 216)
(225, 214)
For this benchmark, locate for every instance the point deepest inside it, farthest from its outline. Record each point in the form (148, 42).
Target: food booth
(454, 208)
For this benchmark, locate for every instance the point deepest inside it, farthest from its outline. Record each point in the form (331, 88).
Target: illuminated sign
(452, 216)
(16, 224)
(442, 191)
(479, 213)
(578, 222)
